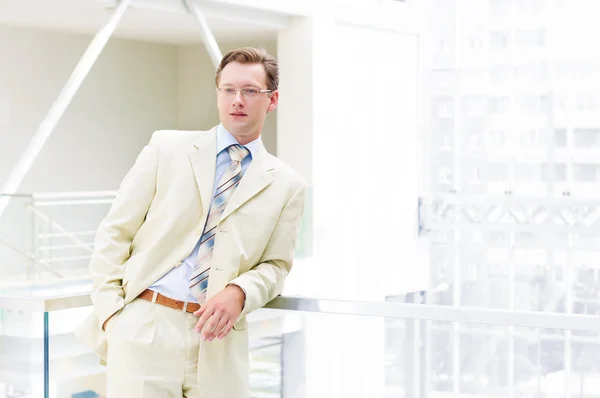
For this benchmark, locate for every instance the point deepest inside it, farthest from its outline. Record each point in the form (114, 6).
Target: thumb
(199, 312)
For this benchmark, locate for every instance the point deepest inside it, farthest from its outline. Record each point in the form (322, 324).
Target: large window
(519, 142)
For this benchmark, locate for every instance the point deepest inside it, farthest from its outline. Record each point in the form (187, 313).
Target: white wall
(196, 89)
(130, 92)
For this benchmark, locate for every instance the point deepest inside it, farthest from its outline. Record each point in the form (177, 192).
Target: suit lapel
(255, 179)
(203, 158)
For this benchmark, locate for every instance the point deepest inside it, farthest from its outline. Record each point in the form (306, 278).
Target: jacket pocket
(242, 324)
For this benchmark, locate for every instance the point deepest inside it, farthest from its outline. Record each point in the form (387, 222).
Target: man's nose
(238, 98)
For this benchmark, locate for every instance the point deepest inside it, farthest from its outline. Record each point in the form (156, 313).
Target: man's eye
(229, 91)
(251, 91)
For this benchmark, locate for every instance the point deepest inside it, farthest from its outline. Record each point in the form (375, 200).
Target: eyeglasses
(247, 92)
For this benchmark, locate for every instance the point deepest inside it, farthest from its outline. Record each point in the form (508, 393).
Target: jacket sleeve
(112, 245)
(265, 280)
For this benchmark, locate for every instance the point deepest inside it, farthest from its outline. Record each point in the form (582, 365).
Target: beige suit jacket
(155, 222)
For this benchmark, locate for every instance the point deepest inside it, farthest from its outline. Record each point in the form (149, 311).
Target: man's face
(244, 116)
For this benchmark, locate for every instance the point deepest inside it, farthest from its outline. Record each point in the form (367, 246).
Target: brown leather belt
(168, 302)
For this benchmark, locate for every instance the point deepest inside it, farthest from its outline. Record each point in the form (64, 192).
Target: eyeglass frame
(235, 90)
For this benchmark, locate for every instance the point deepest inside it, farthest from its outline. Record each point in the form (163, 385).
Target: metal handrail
(56, 226)
(17, 195)
(29, 257)
(487, 316)
(73, 195)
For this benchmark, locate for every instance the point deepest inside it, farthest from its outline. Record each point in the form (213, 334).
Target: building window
(537, 71)
(475, 43)
(445, 175)
(501, 73)
(475, 175)
(588, 71)
(532, 138)
(529, 104)
(446, 141)
(498, 105)
(586, 102)
(561, 102)
(497, 172)
(499, 7)
(496, 138)
(474, 106)
(560, 138)
(476, 142)
(499, 40)
(445, 108)
(530, 38)
(531, 7)
(525, 172)
(562, 70)
(441, 79)
(558, 172)
(585, 138)
(585, 172)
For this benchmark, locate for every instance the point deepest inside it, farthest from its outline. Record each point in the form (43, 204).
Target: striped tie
(227, 185)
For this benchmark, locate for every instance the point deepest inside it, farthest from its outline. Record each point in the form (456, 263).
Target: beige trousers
(152, 353)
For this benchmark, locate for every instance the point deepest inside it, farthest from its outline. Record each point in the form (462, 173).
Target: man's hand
(220, 312)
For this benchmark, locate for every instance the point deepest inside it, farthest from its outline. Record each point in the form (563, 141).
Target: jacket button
(177, 264)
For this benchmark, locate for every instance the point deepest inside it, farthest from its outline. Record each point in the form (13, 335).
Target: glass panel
(301, 355)
(21, 354)
(344, 355)
(74, 369)
(585, 370)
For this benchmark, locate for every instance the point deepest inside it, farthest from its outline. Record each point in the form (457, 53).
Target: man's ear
(274, 101)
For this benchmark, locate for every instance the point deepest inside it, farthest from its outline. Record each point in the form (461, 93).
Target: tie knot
(237, 152)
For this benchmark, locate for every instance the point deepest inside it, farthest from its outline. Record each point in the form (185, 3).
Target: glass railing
(466, 342)
(305, 347)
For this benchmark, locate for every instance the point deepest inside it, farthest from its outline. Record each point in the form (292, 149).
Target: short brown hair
(253, 55)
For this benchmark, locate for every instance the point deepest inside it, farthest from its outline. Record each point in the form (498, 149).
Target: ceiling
(164, 21)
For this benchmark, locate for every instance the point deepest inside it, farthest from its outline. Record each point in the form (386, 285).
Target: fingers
(225, 330)
(206, 314)
(214, 324)
(210, 326)
(210, 334)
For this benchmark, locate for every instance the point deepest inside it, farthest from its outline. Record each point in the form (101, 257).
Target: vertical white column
(296, 129)
(347, 121)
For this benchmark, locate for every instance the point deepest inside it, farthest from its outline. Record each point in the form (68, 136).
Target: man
(201, 233)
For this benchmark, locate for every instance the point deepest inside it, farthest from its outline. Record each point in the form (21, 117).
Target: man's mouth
(238, 114)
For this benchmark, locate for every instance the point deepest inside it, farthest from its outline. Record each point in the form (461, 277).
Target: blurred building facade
(513, 99)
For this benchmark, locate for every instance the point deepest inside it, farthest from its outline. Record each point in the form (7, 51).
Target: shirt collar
(225, 139)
